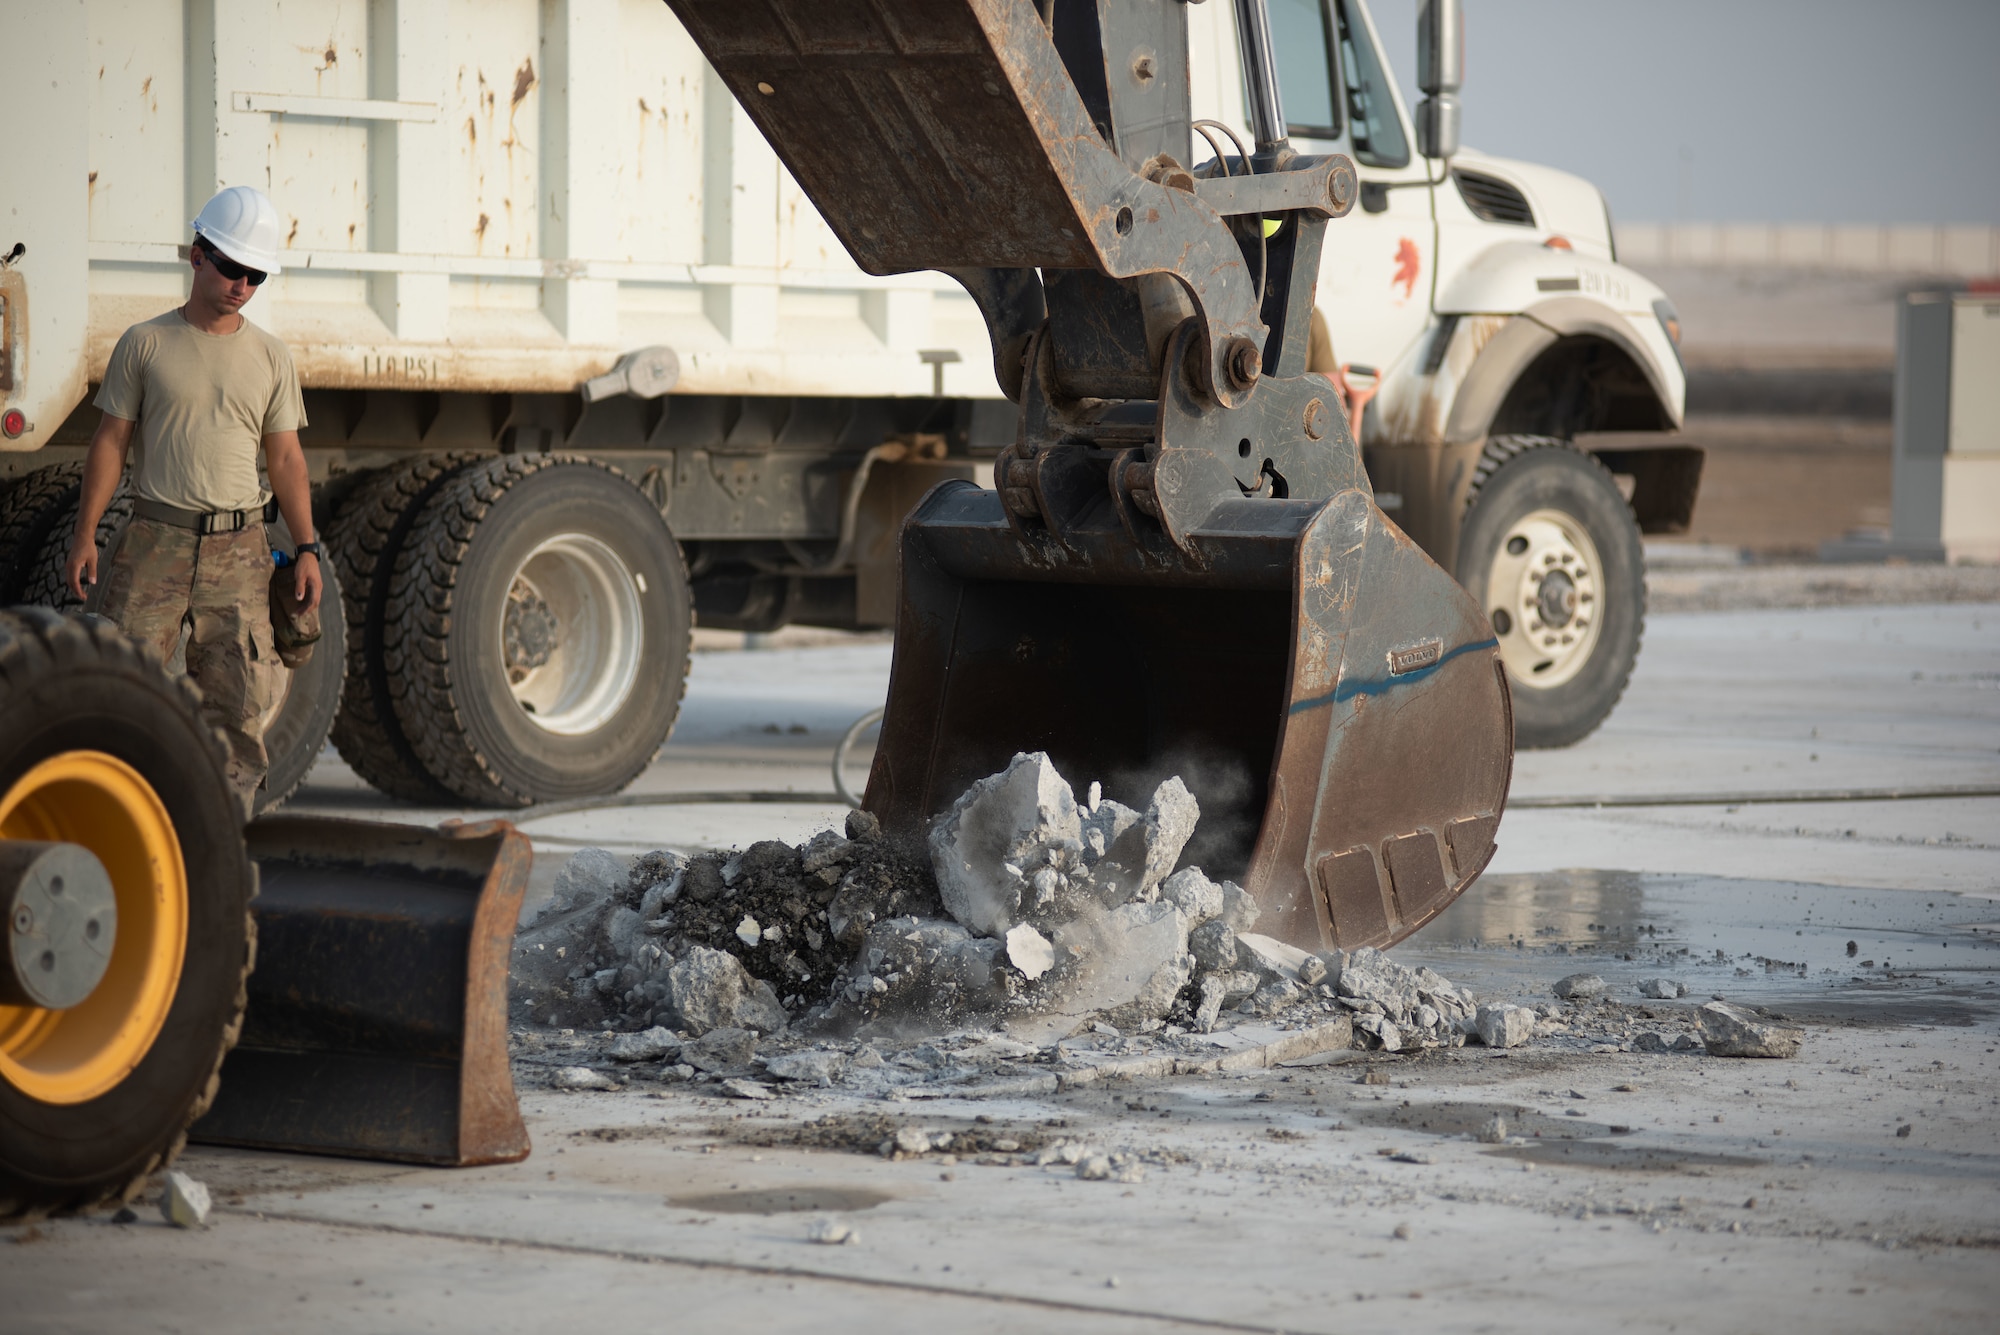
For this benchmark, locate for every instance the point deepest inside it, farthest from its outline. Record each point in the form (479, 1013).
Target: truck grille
(1493, 200)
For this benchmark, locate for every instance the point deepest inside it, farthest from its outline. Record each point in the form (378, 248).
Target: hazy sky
(1739, 111)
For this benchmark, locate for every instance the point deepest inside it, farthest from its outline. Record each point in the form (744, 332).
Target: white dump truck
(584, 367)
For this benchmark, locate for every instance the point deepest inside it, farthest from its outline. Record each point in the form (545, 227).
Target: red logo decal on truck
(1407, 264)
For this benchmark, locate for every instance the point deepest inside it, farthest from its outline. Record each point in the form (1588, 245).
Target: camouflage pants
(166, 580)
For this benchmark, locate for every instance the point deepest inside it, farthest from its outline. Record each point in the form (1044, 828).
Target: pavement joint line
(1521, 803)
(767, 1271)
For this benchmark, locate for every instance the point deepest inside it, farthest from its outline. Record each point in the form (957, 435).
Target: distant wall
(1958, 252)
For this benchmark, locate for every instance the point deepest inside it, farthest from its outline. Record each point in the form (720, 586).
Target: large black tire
(475, 635)
(70, 684)
(1550, 548)
(296, 733)
(36, 504)
(367, 532)
(45, 582)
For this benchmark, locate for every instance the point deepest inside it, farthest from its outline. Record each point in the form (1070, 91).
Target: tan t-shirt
(204, 403)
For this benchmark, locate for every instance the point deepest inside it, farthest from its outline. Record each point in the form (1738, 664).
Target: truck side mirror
(1440, 71)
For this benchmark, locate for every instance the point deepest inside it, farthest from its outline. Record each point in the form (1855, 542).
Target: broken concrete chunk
(1387, 1034)
(831, 1233)
(721, 1051)
(1271, 958)
(1312, 971)
(708, 989)
(1579, 986)
(1114, 850)
(998, 833)
(738, 1088)
(1198, 898)
(184, 1203)
(1446, 996)
(1029, 951)
(749, 932)
(1110, 1168)
(1128, 963)
(825, 852)
(1494, 1132)
(1731, 1031)
(580, 1078)
(1222, 988)
(1170, 822)
(1213, 946)
(1369, 975)
(1239, 910)
(648, 1045)
(1504, 1026)
(590, 874)
(821, 1066)
(926, 971)
(1664, 988)
(1275, 995)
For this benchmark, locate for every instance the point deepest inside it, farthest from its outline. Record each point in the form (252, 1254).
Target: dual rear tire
(524, 635)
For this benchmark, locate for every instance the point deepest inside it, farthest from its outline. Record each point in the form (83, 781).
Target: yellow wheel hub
(100, 802)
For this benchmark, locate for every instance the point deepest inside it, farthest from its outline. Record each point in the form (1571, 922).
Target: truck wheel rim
(1545, 595)
(98, 801)
(571, 633)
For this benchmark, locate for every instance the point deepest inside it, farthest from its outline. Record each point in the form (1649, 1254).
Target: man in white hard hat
(203, 390)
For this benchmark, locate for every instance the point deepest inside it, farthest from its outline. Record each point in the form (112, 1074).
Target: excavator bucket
(377, 1018)
(1181, 568)
(1334, 700)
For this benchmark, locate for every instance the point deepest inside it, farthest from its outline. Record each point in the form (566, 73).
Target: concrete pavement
(1651, 1191)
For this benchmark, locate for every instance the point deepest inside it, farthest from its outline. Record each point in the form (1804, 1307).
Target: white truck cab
(1486, 298)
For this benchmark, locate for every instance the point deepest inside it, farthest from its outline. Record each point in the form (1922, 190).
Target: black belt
(202, 521)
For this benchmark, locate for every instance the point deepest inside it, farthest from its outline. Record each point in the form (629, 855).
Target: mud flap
(1333, 699)
(377, 1019)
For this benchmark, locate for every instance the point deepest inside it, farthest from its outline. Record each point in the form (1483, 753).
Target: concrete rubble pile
(1025, 920)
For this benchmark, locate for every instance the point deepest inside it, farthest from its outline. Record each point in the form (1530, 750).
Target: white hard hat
(242, 223)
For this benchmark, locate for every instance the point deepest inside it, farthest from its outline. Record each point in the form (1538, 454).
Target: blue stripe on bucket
(1349, 689)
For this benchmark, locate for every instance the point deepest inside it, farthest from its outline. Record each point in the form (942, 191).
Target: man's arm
(102, 468)
(285, 464)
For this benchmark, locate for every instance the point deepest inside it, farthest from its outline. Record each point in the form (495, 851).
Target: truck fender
(1512, 355)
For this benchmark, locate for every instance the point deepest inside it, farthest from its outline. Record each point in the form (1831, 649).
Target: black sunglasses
(230, 269)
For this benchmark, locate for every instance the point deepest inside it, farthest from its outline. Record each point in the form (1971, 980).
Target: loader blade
(377, 1019)
(1334, 700)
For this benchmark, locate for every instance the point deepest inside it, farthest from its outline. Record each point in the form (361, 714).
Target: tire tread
(424, 681)
(36, 642)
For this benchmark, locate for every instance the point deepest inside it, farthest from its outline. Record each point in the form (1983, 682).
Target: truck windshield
(1377, 132)
(1302, 39)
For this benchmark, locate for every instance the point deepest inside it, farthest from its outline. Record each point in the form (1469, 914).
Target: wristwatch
(306, 548)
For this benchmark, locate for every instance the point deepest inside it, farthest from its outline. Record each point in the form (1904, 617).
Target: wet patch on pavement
(1835, 954)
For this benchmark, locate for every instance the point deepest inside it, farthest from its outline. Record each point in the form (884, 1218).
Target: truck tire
(100, 747)
(28, 517)
(364, 538)
(1550, 548)
(538, 631)
(298, 723)
(44, 582)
